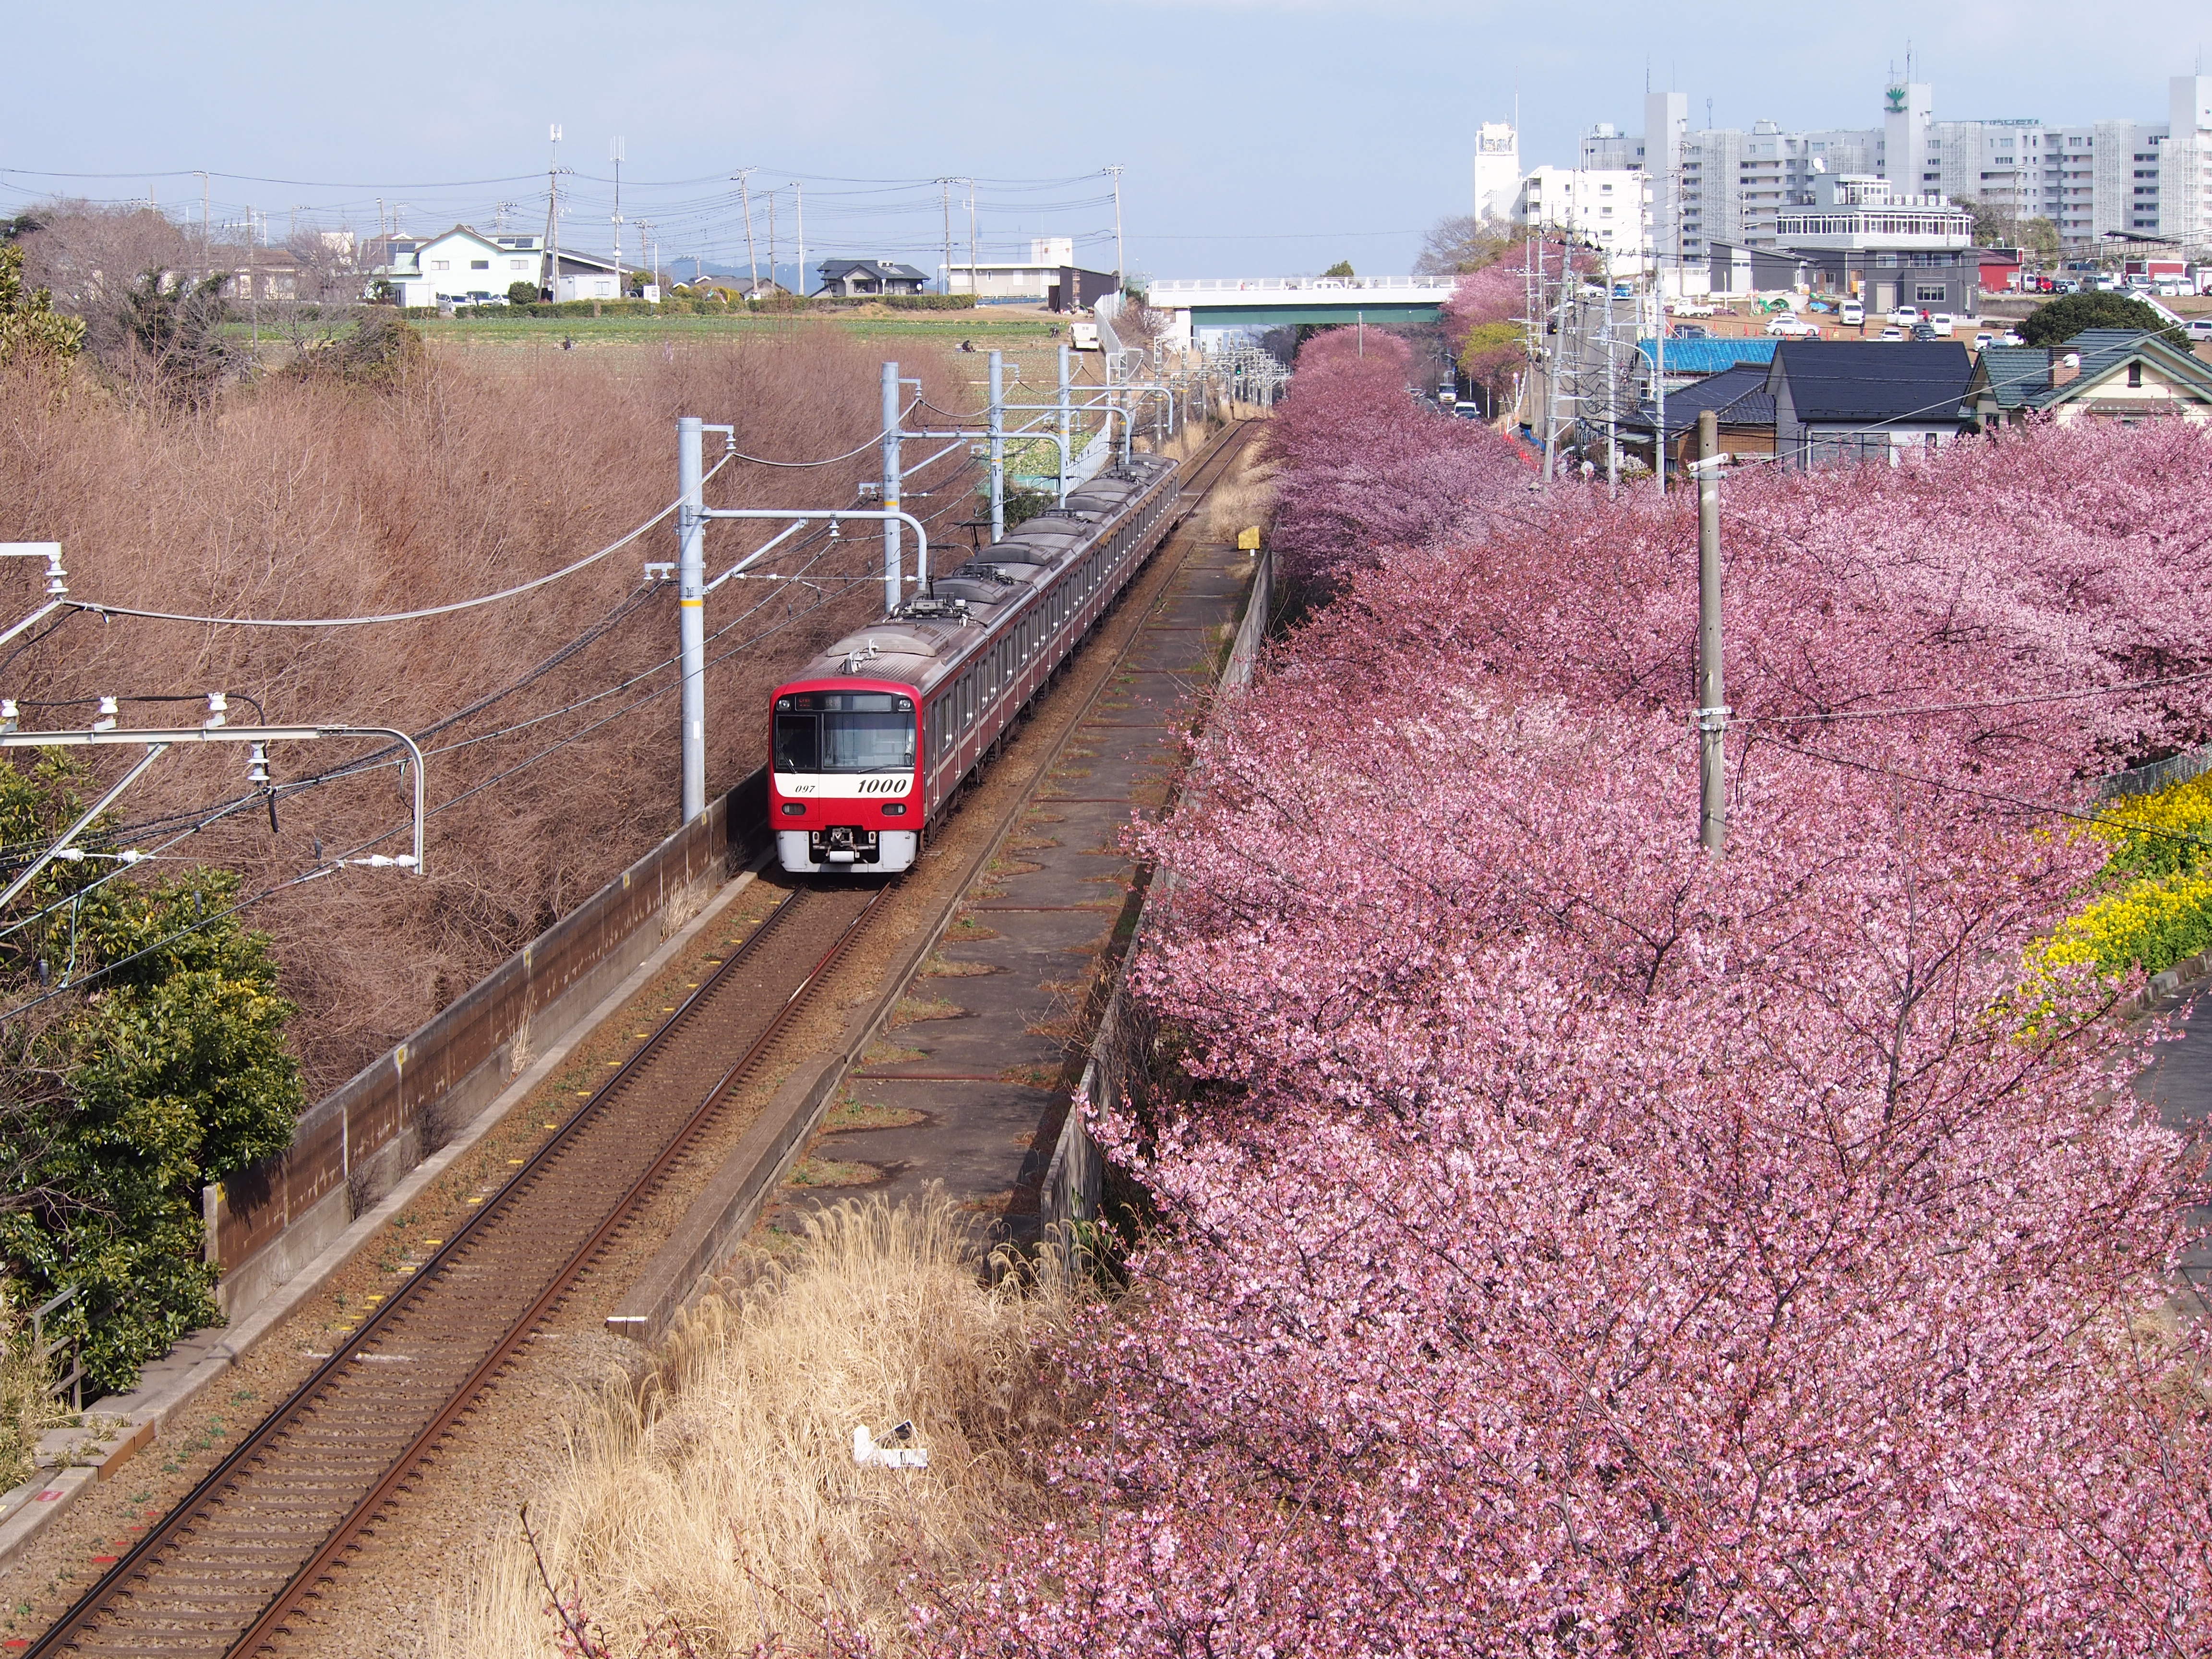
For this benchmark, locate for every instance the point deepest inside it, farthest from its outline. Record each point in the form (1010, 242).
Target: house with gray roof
(1849, 400)
(853, 277)
(2125, 374)
(1741, 402)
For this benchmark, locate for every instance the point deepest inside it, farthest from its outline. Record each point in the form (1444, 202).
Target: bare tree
(89, 256)
(1460, 242)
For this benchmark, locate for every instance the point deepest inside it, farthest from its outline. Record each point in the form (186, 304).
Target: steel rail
(82, 1620)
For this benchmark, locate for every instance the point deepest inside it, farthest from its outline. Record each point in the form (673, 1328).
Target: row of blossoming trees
(1579, 1245)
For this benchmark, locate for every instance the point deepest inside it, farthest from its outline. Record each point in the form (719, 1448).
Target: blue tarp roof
(1709, 356)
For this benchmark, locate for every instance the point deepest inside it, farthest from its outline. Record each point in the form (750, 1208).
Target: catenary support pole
(692, 606)
(890, 486)
(998, 447)
(1067, 422)
(1712, 713)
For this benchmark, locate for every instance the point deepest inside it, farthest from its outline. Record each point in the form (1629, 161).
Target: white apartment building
(1603, 206)
(2094, 182)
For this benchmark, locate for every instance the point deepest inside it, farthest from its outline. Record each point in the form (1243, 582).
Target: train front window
(844, 732)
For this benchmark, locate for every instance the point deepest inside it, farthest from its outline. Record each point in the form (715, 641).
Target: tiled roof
(1738, 395)
(2016, 372)
(1875, 380)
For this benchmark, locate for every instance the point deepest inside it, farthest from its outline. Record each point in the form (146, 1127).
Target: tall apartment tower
(1909, 111)
(2184, 184)
(1666, 132)
(1497, 171)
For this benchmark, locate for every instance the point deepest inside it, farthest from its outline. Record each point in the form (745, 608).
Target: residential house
(1688, 362)
(1740, 402)
(458, 267)
(1843, 400)
(2122, 374)
(849, 278)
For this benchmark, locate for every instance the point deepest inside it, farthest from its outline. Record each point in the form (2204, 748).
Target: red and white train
(867, 745)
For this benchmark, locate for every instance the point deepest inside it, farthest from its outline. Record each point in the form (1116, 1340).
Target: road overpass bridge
(1207, 309)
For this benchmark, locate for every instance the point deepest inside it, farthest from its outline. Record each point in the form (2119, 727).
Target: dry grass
(719, 1487)
(295, 499)
(1242, 499)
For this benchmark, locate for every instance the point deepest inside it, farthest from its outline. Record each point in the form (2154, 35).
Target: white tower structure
(1497, 171)
(1666, 129)
(1909, 111)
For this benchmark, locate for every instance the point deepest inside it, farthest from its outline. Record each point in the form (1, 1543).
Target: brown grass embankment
(718, 1489)
(320, 500)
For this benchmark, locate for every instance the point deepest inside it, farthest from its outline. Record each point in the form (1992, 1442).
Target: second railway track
(223, 1572)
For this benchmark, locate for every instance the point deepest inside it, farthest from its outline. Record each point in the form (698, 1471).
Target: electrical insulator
(218, 709)
(108, 711)
(257, 770)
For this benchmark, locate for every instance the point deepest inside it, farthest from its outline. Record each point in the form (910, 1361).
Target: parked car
(1689, 332)
(1983, 340)
(1944, 324)
(2200, 328)
(1790, 326)
(1689, 308)
(1893, 333)
(1851, 313)
(1904, 316)
(1923, 331)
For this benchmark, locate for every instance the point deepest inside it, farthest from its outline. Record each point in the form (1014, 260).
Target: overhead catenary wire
(98, 608)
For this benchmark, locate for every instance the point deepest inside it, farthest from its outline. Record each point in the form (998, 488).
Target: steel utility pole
(745, 177)
(944, 198)
(1114, 172)
(1612, 395)
(890, 487)
(615, 154)
(1552, 353)
(798, 211)
(552, 284)
(974, 286)
(692, 606)
(998, 447)
(1659, 379)
(1712, 713)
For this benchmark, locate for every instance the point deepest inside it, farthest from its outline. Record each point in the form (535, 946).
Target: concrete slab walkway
(972, 1081)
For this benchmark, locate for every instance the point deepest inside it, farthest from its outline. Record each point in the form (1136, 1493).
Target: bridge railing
(1210, 286)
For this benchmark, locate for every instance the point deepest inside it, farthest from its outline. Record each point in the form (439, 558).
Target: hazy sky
(1258, 136)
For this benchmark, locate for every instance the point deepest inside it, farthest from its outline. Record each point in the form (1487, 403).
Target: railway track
(223, 1572)
(226, 1571)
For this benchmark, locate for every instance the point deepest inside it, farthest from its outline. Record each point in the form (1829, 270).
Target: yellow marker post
(1247, 539)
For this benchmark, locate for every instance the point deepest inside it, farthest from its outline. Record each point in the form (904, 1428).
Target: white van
(1850, 314)
(1944, 324)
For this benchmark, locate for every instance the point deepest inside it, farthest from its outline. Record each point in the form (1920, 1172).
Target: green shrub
(929, 301)
(2059, 320)
(522, 293)
(163, 1067)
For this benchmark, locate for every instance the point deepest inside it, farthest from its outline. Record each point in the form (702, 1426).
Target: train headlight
(895, 809)
(794, 809)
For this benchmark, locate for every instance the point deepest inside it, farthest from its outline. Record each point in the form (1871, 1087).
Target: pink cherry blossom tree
(1365, 469)
(1574, 1244)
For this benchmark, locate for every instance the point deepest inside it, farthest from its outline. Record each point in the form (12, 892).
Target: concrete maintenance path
(970, 1084)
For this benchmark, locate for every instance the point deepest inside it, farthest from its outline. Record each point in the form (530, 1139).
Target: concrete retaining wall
(265, 1225)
